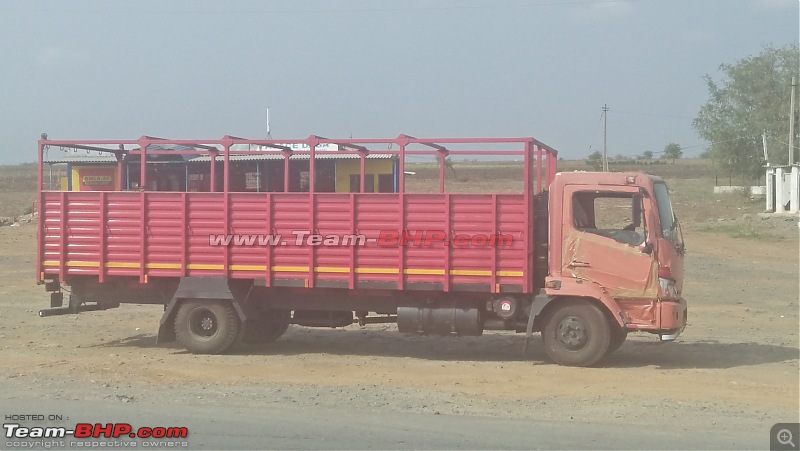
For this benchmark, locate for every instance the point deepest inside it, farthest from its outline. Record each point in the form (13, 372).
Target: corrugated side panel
(178, 227)
(376, 213)
(425, 260)
(334, 221)
(50, 215)
(83, 233)
(290, 213)
(123, 243)
(205, 217)
(249, 252)
(512, 260)
(472, 222)
(164, 222)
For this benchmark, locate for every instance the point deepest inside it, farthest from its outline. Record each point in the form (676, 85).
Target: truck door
(606, 241)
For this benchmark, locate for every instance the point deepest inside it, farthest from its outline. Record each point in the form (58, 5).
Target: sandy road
(735, 369)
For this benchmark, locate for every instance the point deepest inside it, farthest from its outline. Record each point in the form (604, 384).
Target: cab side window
(619, 216)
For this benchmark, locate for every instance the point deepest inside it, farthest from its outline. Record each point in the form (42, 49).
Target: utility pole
(791, 123)
(605, 139)
(269, 133)
(764, 145)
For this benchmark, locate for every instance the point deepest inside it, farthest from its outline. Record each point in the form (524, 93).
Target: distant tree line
(672, 151)
(595, 160)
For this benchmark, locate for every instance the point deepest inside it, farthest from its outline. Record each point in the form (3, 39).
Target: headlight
(667, 288)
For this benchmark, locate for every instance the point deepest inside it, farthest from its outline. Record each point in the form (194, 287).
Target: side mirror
(648, 249)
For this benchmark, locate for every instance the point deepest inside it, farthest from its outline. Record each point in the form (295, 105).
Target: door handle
(578, 264)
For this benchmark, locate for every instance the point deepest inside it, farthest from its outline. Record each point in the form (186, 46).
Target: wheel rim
(203, 323)
(572, 333)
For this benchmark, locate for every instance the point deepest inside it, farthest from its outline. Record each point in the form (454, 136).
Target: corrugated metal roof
(63, 157)
(319, 156)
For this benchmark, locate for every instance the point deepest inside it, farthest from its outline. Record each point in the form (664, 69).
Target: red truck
(582, 257)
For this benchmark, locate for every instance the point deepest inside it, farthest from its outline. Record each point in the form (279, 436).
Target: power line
(671, 116)
(782, 142)
(720, 142)
(596, 130)
(696, 145)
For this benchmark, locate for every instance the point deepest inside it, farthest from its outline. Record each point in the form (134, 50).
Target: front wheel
(618, 337)
(576, 334)
(207, 327)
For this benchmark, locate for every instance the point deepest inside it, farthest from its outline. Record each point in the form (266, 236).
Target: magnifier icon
(784, 437)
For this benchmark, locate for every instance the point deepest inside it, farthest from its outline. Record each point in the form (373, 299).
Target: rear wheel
(267, 326)
(576, 334)
(207, 327)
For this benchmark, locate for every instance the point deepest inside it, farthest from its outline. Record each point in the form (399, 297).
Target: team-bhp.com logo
(92, 431)
(386, 238)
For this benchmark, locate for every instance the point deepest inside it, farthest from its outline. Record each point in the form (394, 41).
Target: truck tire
(618, 337)
(576, 333)
(267, 327)
(207, 327)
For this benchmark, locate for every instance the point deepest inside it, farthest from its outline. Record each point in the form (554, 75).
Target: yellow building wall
(346, 168)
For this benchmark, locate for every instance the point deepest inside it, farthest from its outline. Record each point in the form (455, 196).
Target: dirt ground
(735, 368)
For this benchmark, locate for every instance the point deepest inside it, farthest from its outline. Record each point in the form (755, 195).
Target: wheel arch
(212, 289)
(543, 305)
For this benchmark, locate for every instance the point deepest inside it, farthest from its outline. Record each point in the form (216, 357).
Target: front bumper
(673, 316)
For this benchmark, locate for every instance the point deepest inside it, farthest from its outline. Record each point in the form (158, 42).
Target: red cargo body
(167, 234)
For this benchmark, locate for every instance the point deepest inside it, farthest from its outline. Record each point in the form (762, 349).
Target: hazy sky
(542, 68)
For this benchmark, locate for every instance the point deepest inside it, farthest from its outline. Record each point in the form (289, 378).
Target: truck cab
(614, 239)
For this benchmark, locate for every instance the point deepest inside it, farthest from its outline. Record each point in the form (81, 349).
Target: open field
(734, 370)
(17, 189)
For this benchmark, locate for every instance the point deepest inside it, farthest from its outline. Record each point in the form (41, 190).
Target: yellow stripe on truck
(427, 272)
(469, 272)
(377, 270)
(248, 268)
(204, 266)
(123, 265)
(319, 269)
(162, 265)
(80, 264)
(510, 273)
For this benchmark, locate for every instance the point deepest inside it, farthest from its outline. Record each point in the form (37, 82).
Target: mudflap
(540, 301)
(211, 288)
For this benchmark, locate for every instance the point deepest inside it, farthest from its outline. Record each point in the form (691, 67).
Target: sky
(337, 68)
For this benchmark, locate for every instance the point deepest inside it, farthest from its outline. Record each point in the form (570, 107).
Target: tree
(672, 151)
(448, 164)
(752, 96)
(647, 154)
(595, 160)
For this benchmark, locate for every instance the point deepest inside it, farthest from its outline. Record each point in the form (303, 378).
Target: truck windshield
(667, 218)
